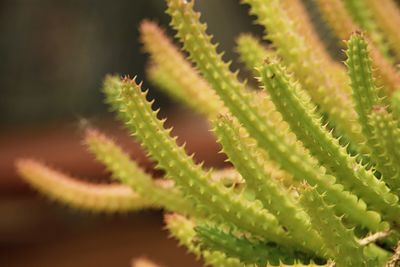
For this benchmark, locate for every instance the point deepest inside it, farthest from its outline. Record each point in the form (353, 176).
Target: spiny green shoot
(315, 175)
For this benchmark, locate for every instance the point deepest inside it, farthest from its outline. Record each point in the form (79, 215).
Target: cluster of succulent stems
(314, 151)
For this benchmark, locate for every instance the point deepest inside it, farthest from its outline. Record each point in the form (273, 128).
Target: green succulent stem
(212, 198)
(183, 230)
(312, 172)
(338, 18)
(251, 52)
(298, 110)
(365, 92)
(269, 136)
(305, 62)
(78, 194)
(246, 250)
(173, 73)
(128, 172)
(366, 97)
(337, 238)
(273, 195)
(361, 14)
(386, 138)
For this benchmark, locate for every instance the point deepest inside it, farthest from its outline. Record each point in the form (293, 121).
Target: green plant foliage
(247, 251)
(339, 240)
(297, 193)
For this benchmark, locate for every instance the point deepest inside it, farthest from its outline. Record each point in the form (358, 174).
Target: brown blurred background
(54, 55)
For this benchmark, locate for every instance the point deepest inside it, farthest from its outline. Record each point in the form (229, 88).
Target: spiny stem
(128, 172)
(365, 92)
(339, 240)
(182, 229)
(297, 109)
(272, 138)
(363, 17)
(386, 143)
(246, 250)
(305, 62)
(172, 72)
(337, 17)
(274, 197)
(212, 199)
(251, 52)
(79, 194)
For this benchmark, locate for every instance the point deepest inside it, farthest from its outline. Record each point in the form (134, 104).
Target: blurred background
(54, 55)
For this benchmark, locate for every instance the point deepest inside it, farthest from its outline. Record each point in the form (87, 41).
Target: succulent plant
(315, 176)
